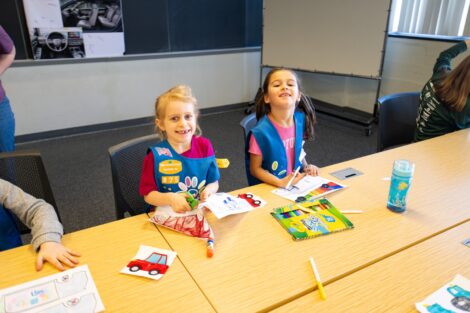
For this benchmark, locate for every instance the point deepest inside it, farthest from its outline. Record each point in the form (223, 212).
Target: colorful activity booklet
(311, 219)
(452, 297)
(308, 188)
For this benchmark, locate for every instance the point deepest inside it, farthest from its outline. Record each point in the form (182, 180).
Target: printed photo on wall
(75, 28)
(54, 43)
(92, 15)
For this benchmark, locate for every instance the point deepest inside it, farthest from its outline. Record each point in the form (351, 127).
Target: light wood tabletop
(257, 266)
(396, 283)
(106, 249)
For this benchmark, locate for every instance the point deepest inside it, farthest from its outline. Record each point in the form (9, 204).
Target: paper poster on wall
(75, 28)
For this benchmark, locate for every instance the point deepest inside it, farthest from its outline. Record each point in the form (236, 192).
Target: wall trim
(81, 130)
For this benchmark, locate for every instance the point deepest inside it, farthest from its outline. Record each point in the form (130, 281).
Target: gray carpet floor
(80, 173)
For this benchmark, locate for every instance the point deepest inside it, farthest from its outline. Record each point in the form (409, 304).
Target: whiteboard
(344, 37)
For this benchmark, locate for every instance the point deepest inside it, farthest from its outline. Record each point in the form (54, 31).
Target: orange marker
(210, 248)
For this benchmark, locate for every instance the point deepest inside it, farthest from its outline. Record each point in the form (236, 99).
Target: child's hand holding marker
(294, 178)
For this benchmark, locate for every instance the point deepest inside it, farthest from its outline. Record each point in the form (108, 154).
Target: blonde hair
(180, 93)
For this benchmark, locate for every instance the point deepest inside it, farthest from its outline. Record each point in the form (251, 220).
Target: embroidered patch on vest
(170, 167)
(274, 165)
(169, 180)
(164, 151)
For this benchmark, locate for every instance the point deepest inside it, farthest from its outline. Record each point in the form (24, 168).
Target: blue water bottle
(402, 174)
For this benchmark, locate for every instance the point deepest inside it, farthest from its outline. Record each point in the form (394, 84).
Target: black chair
(397, 119)
(126, 168)
(247, 123)
(25, 169)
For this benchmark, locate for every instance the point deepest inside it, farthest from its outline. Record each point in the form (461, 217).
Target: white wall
(55, 97)
(407, 66)
(61, 96)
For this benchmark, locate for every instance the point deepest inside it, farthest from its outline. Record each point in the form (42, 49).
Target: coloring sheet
(69, 291)
(223, 204)
(453, 297)
(192, 223)
(150, 262)
(308, 188)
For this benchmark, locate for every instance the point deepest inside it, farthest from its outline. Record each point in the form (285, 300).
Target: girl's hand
(178, 202)
(205, 194)
(311, 169)
(208, 191)
(56, 254)
(284, 181)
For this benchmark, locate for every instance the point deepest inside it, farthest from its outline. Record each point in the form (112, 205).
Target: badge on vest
(170, 180)
(164, 151)
(274, 165)
(170, 167)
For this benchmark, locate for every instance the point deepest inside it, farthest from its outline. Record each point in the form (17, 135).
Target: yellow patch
(222, 163)
(169, 180)
(402, 185)
(274, 165)
(170, 167)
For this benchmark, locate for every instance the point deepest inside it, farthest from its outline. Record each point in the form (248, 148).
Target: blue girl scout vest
(175, 173)
(9, 233)
(272, 148)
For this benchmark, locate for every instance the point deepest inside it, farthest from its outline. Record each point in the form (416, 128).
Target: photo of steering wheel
(56, 41)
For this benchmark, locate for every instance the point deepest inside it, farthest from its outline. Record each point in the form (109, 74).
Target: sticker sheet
(69, 291)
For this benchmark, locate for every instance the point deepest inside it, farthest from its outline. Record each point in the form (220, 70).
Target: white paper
(303, 187)
(69, 291)
(103, 44)
(43, 14)
(150, 262)
(223, 204)
(453, 297)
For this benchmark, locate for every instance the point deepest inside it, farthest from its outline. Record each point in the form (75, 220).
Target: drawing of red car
(248, 197)
(155, 264)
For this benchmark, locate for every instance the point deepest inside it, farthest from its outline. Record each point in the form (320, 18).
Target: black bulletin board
(159, 26)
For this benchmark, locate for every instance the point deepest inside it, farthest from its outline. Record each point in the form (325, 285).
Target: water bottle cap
(403, 168)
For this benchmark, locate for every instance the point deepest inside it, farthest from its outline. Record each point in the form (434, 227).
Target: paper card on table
(70, 291)
(252, 199)
(150, 262)
(309, 188)
(452, 297)
(223, 204)
(311, 219)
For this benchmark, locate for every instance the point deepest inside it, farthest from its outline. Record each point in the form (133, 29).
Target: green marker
(192, 201)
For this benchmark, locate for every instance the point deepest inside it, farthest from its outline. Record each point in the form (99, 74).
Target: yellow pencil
(317, 277)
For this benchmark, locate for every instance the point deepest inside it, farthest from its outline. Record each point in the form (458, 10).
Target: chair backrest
(26, 170)
(126, 168)
(397, 119)
(247, 123)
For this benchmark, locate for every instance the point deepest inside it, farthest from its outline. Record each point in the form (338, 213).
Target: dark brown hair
(453, 87)
(305, 104)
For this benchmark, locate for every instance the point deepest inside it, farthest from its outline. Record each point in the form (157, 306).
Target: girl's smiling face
(283, 90)
(179, 123)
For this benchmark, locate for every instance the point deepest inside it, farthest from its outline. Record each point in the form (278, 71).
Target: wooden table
(257, 266)
(398, 282)
(106, 249)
